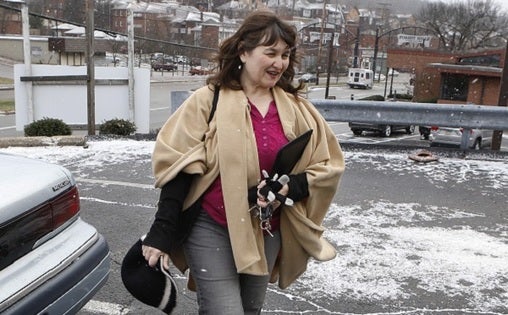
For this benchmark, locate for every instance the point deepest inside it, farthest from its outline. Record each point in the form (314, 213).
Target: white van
(360, 78)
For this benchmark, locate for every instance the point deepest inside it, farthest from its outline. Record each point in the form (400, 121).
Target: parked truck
(360, 78)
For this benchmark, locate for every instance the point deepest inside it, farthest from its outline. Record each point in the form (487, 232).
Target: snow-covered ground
(394, 257)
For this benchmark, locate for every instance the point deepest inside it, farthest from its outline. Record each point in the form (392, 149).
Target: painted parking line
(166, 108)
(113, 182)
(349, 137)
(98, 307)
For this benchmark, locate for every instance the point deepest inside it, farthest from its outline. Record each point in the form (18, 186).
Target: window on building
(484, 60)
(455, 87)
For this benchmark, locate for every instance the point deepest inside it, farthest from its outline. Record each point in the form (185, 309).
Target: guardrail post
(465, 138)
(177, 98)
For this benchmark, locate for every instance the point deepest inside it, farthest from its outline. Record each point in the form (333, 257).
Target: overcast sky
(502, 3)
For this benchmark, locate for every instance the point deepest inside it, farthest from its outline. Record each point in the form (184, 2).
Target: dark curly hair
(260, 28)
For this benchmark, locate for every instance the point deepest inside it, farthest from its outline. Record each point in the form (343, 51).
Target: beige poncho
(229, 148)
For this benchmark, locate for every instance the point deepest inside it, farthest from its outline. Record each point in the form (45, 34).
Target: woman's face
(264, 65)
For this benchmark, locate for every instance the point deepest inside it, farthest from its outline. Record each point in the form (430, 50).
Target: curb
(42, 141)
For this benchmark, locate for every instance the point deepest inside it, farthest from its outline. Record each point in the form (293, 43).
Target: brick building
(445, 77)
(10, 21)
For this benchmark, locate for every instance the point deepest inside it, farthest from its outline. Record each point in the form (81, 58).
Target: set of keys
(265, 215)
(271, 193)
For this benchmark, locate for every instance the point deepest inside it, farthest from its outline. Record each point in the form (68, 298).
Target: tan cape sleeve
(301, 225)
(179, 144)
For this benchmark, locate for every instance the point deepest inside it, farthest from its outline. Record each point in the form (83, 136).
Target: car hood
(26, 183)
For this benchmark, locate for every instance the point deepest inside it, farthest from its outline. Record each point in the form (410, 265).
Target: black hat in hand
(152, 286)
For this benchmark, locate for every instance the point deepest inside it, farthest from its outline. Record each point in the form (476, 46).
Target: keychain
(270, 193)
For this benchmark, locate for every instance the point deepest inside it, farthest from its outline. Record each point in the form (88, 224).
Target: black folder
(290, 153)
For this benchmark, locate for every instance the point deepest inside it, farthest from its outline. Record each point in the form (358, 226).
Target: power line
(108, 32)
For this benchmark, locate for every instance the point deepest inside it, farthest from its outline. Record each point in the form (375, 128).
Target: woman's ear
(241, 52)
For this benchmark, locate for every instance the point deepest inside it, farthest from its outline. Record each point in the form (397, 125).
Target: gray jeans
(220, 289)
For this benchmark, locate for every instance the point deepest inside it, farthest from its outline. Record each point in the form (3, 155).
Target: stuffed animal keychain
(271, 193)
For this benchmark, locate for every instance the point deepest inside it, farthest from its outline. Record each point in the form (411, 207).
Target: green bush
(47, 127)
(119, 127)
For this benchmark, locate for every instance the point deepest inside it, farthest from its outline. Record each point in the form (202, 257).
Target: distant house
(69, 43)
(59, 29)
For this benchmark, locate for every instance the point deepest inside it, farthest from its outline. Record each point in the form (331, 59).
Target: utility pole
(323, 23)
(27, 56)
(330, 59)
(374, 59)
(357, 44)
(90, 66)
(130, 59)
(497, 136)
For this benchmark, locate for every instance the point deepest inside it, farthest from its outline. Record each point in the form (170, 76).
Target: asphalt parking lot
(412, 238)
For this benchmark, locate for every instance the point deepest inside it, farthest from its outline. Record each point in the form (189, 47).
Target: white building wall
(68, 100)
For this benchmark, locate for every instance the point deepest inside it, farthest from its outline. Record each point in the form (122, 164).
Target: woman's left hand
(152, 256)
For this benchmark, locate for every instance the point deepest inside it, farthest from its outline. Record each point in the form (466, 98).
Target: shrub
(47, 127)
(373, 98)
(401, 96)
(119, 127)
(430, 100)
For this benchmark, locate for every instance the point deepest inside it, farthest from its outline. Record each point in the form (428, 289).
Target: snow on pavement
(386, 251)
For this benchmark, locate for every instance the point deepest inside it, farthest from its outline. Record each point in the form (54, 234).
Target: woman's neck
(261, 98)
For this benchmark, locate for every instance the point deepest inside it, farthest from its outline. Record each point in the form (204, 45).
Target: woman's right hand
(263, 203)
(152, 256)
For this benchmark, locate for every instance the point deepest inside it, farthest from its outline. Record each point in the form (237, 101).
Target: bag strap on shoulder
(214, 106)
(214, 103)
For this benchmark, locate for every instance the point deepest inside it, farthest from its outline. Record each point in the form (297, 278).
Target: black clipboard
(290, 153)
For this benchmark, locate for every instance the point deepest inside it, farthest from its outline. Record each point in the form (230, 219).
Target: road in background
(163, 83)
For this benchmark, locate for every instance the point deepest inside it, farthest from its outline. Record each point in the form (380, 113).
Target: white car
(308, 77)
(452, 137)
(51, 261)
(393, 72)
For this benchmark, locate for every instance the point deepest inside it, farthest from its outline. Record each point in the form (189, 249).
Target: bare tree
(465, 25)
(103, 14)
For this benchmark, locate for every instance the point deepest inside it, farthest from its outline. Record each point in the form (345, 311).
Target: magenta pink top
(269, 139)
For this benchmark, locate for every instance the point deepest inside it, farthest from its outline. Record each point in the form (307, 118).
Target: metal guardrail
(423, 114)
